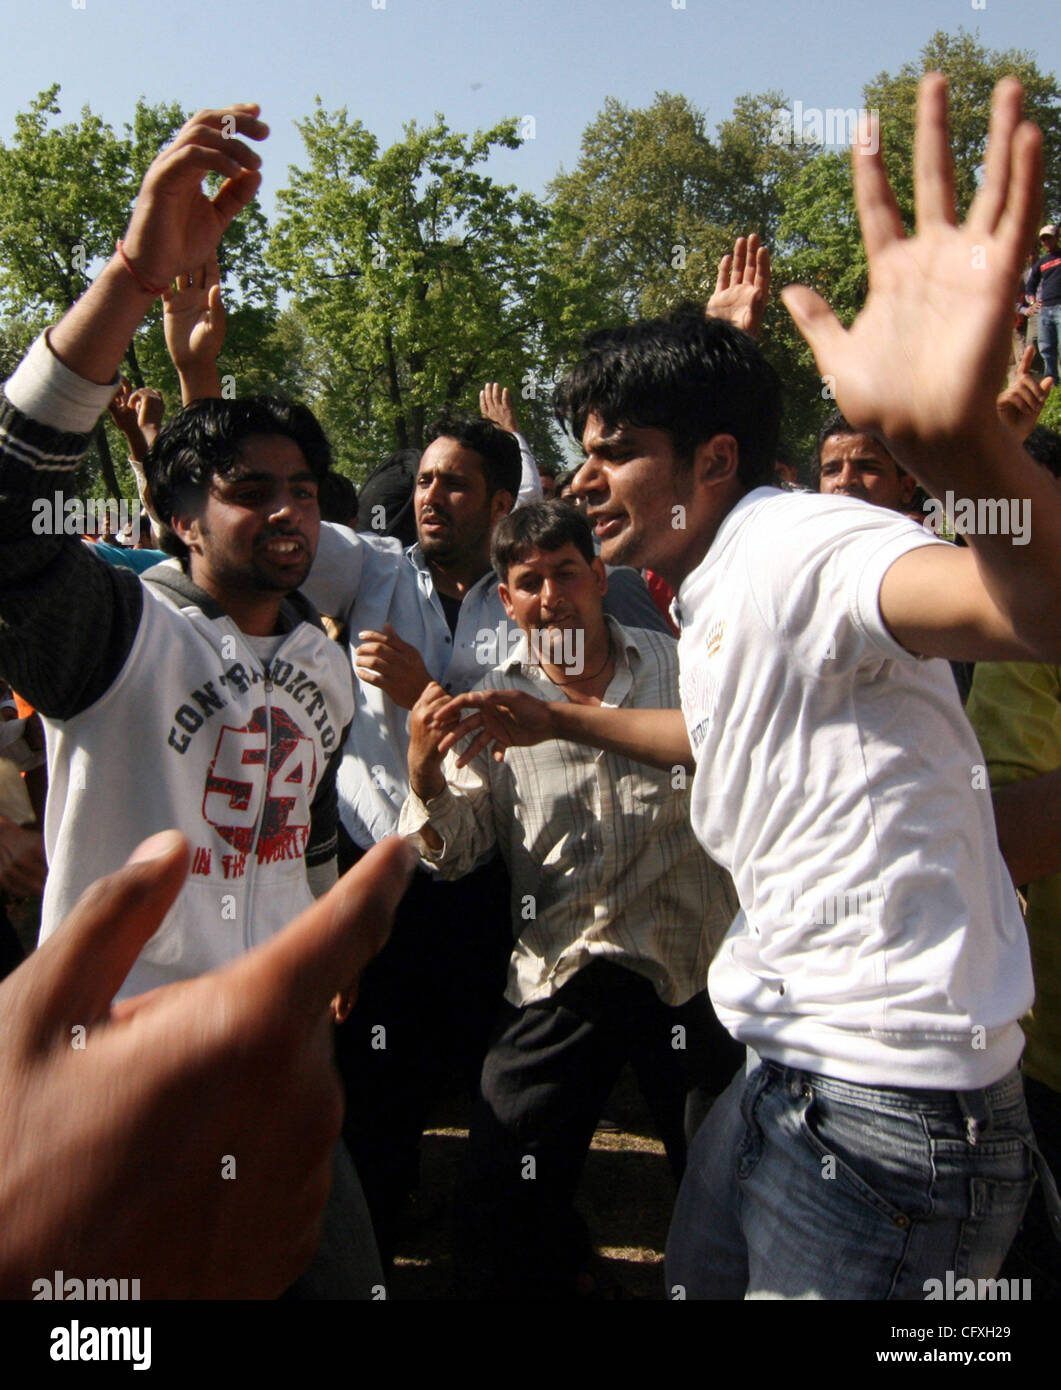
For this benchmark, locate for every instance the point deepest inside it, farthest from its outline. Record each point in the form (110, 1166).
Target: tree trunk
(136, 376)
(106, 464)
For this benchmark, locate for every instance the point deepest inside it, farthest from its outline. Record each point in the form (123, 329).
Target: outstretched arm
(743, 286)
(503, 719)
(921, 365)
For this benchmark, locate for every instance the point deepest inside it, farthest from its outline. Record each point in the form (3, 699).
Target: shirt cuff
(416, 814)
(53, 395)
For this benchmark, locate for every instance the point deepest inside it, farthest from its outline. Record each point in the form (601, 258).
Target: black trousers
(545, 1080)
(424, 1013)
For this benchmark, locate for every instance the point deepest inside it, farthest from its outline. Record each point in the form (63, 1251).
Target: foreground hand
(126, 1115)
(1021, 404)
(175, 226)
(743, 286)
(396, 668)
(921, 362)
(503, 719)
(495, 404)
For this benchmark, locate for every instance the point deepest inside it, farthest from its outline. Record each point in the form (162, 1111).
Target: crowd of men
(468, 724)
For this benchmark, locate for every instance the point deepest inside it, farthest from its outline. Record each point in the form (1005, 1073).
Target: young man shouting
(878, 965)
(211, 678)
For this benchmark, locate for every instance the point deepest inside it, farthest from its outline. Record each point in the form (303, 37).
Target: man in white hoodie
(213, 673)
(878, 966)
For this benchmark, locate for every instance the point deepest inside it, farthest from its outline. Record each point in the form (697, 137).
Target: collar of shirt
(628, 658)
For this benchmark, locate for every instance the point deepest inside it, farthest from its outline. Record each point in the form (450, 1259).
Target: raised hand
(425, 755)
(176, 225)
(1021, 404)
(193, 317)
(495, 403)
(384, 660)
(138, 414)
(150, 409)
(923, 360)
(743, 286)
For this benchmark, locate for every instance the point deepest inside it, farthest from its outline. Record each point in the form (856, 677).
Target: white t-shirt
(879, 938)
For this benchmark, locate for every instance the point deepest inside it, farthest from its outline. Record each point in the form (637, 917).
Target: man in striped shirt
(616, 912)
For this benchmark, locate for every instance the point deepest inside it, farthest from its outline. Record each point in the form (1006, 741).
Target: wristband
(148, 289)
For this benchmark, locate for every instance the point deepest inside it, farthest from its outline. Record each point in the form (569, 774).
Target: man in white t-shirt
(878, 966)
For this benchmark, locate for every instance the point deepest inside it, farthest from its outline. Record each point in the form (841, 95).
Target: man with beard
(211, 680)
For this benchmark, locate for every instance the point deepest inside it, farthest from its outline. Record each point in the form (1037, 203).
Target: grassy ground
(626, 1197)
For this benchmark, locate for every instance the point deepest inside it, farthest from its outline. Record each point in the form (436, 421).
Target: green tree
(65, 196)
(415, 279)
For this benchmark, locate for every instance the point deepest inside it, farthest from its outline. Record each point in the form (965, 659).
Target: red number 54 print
(238, 776)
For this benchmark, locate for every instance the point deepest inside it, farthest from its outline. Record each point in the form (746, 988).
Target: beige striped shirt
(599, 848)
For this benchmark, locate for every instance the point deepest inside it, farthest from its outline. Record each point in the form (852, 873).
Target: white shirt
(879, 938)
(601, 854)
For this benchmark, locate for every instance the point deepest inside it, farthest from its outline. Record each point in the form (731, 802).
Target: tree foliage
(415, 278)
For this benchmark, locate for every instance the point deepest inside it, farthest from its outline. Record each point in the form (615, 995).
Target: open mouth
(284, 549)
(607, 524)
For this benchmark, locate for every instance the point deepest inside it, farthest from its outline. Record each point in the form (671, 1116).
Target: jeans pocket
(996, 1207)
(881, 1158)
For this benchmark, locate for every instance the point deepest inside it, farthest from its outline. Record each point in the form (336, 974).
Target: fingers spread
(878, 212)
(933, 167)
(991, 198)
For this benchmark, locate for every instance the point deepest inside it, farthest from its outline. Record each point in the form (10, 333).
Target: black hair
(338, 499)
(539, 526)
(1044, 445)
(691, 376)
(203, 441)
(386, 507)
(839, 424)
(498, 450)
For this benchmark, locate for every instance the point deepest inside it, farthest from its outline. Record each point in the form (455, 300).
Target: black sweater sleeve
(67, 619)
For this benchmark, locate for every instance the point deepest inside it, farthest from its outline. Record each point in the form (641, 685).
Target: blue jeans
(1049, 331)
(802, 1186)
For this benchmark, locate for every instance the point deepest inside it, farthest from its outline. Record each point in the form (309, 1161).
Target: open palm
(924, 359)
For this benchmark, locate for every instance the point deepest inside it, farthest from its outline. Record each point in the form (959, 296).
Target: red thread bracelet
(149, 289)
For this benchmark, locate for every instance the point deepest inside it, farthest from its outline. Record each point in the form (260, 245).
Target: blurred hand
(193, 317)
(127, 1113)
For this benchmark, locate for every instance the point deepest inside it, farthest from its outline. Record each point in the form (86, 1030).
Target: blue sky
(476, 61)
